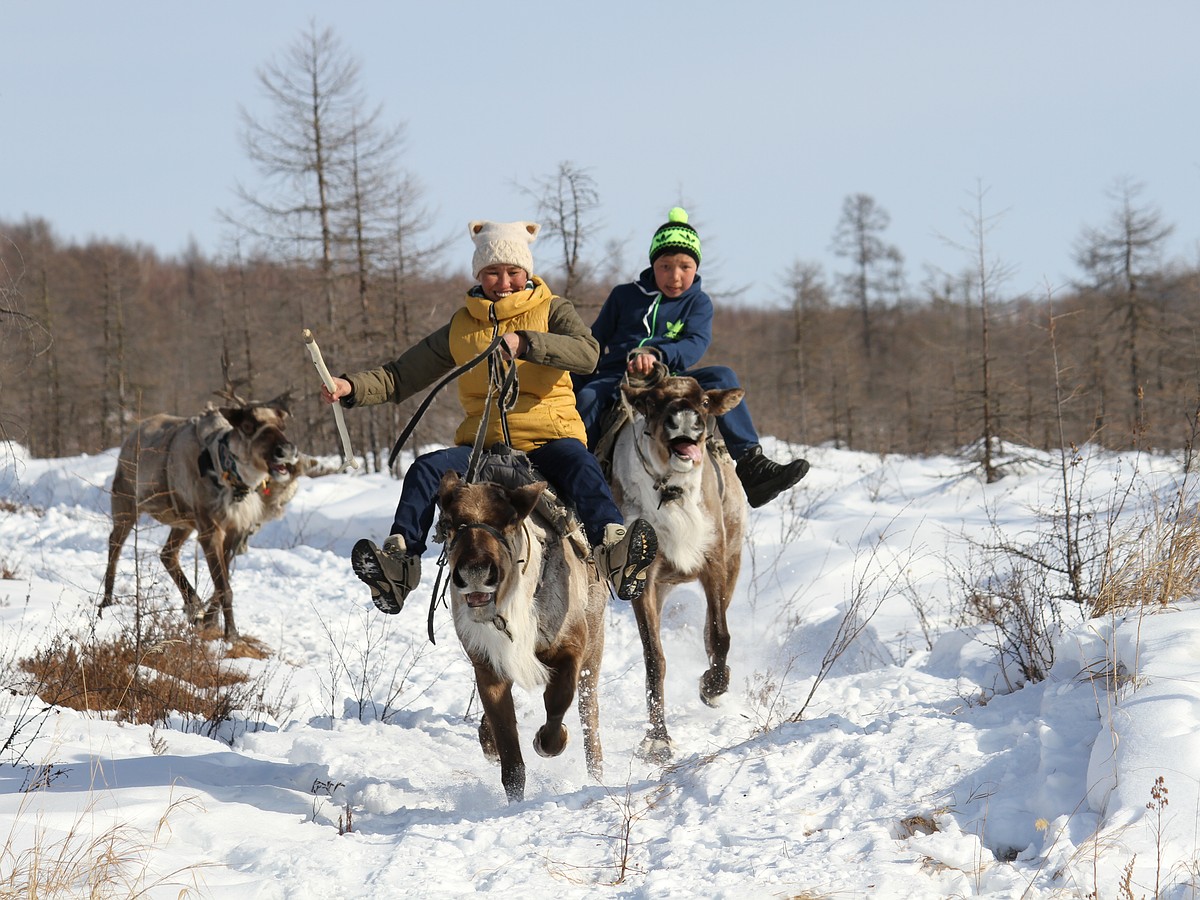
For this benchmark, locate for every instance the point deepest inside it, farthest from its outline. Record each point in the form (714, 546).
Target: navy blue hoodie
(638, 315)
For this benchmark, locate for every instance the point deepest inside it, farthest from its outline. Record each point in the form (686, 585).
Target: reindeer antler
(229, 392)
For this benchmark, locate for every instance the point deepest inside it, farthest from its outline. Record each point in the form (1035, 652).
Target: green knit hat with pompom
(676, 236)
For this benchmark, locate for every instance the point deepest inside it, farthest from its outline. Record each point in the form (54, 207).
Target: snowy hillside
(922, 766)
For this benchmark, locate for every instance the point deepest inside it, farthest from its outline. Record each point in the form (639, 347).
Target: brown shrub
(143, 680)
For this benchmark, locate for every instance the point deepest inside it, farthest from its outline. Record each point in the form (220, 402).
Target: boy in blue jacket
(665, 315)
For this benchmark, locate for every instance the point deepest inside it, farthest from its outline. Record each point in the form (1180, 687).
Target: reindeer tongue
(686, 449)
(478, 598)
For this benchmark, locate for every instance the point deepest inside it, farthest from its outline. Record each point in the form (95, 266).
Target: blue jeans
(566, 463)
(596, 393)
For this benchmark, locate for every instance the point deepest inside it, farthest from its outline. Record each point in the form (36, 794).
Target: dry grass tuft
(82, 863)
(11, 506)
(1161, 566)
(918, 824)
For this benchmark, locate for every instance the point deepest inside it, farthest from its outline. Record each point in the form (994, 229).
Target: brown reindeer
(529, 610)
(662, 471)
(212, 474)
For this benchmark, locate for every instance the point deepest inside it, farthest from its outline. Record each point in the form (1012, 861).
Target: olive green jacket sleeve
(415, 369)
(567, 343)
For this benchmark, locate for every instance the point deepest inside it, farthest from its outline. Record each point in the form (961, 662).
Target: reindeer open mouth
(685, 448)
(283, 462)
(683, 430)
(479, 598)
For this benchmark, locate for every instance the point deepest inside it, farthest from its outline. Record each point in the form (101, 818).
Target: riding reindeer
(529, 610)
(665, 471)
(212, 474)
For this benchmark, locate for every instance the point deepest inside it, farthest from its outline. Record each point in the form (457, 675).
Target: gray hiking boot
(764, 479)
(625, 555)
(390, 573)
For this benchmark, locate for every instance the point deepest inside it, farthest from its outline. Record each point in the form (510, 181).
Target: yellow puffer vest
(545, 408)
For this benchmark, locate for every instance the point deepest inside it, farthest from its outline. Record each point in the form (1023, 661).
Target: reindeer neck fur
(244, 514)
(686, 533)
(509, 647)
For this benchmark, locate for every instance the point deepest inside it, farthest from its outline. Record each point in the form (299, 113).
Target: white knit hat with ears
(506, 243)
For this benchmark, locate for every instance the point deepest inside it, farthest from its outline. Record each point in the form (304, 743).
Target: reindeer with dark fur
(664, 472)
(529, 610)
(211, 474)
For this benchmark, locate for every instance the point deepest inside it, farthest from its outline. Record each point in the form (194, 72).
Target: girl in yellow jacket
(547, 341)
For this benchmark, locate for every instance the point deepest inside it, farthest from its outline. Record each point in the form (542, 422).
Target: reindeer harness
(218, 463)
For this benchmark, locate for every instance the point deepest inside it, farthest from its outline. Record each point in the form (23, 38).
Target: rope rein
(421, 410)
(503, 388)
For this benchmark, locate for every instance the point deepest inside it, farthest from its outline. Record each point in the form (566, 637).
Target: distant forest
(335, 238)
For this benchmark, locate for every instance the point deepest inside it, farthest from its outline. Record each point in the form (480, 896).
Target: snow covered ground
(921, 767)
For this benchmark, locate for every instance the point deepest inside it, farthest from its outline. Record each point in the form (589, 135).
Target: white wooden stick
(315, 352)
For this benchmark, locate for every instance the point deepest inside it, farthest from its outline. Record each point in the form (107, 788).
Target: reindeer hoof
(548, 748)
(193, 611)
(657, 750)
(713, 685)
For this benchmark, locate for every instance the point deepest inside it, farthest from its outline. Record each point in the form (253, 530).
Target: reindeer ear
(237, 416)
(721, 402)
(525, 498)
(282, 404)
(637, 397)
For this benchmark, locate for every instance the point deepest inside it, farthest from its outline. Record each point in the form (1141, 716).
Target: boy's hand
(641, 363)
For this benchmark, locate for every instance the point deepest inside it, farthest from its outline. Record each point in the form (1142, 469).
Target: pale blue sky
(120, 120)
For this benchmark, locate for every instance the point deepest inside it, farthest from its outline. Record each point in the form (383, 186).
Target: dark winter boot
(625, 556)
(390, 573)
(764, 479)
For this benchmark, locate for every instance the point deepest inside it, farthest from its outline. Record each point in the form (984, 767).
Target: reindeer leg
(715, 681)
(589, 698)
(212, 539)
(551, 739)
(228, 549)
(124, 515)
(496, 696)
(656, 746)
(487, 740)
(169, 554)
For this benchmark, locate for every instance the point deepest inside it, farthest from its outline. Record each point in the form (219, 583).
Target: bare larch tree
(877, 265)
(1116, 259)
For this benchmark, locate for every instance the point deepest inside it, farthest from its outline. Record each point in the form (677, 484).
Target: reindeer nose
(285, 451)
(490, 575)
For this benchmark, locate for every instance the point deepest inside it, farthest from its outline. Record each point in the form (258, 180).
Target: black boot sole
(364, 559)
(643, 548)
